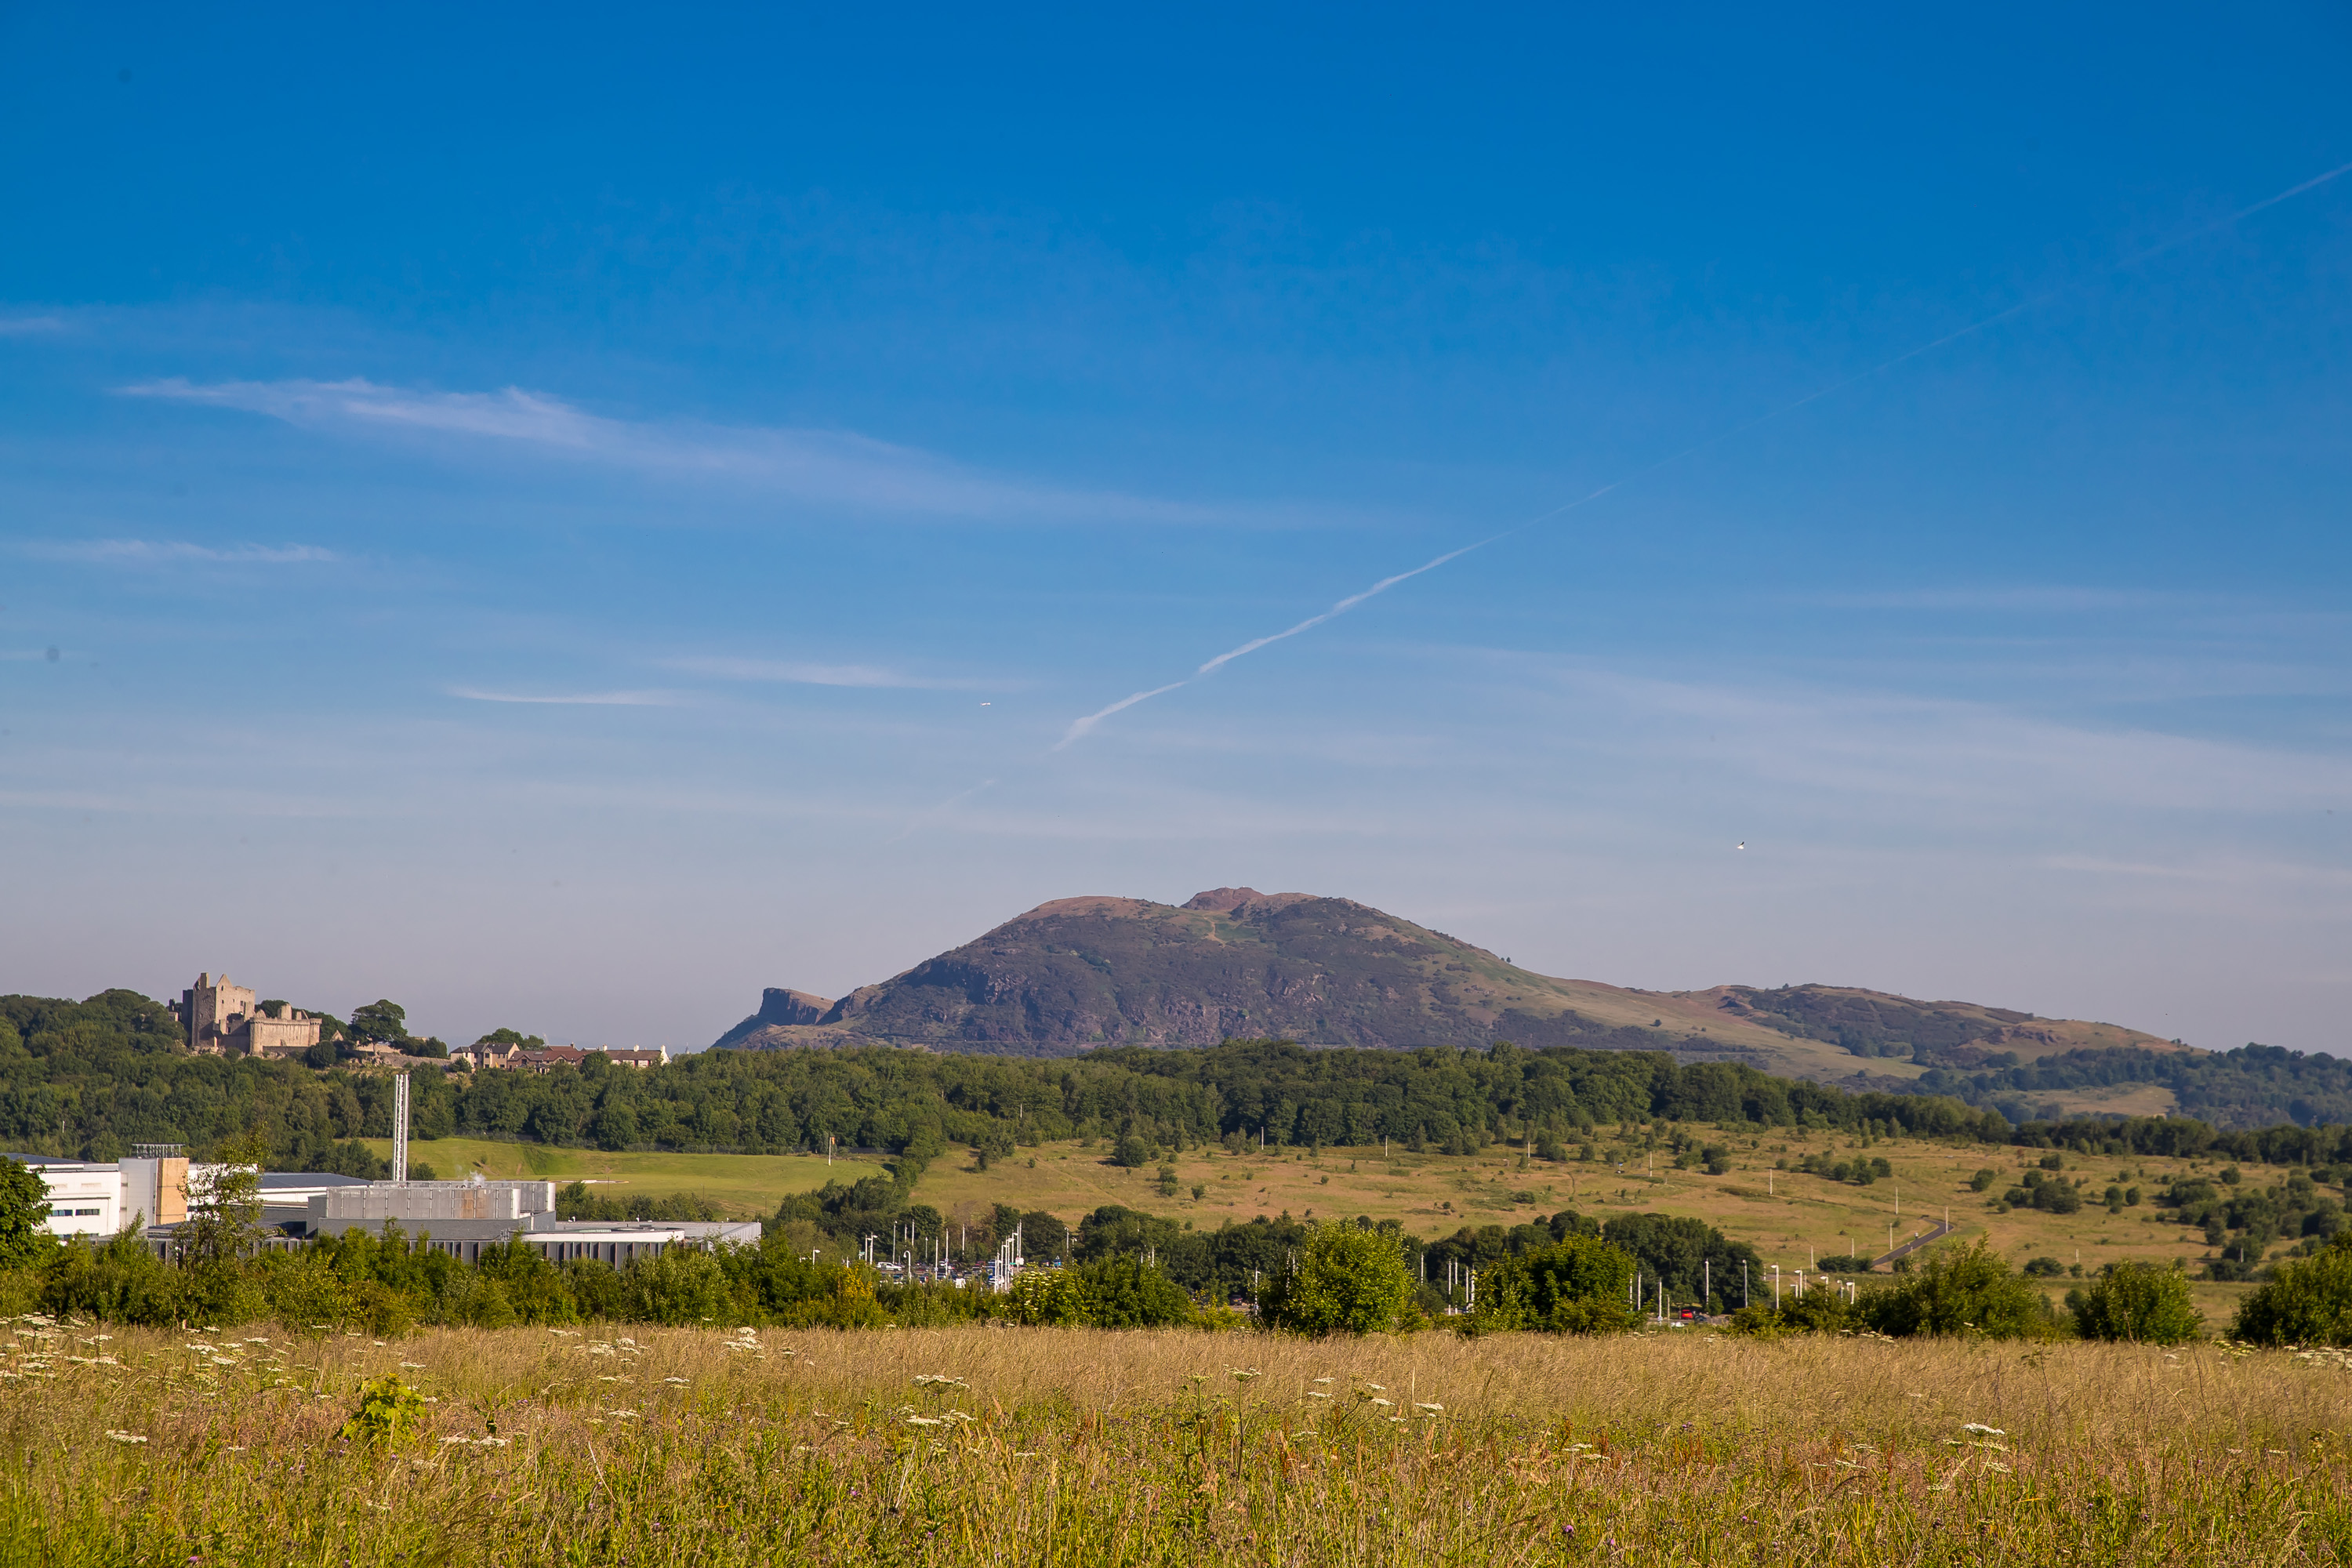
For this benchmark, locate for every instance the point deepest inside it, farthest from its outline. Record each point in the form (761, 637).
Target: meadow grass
(1009, 1445)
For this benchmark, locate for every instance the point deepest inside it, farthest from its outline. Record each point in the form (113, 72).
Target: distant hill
(1078, 974)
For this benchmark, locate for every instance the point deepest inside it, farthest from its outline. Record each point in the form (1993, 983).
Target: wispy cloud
(27, 326)
(825, 466)
(2027, 598)
(174, 552)
(797, 674)
(572, 699)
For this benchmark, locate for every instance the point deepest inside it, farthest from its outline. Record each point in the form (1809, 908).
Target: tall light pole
(399, 1128)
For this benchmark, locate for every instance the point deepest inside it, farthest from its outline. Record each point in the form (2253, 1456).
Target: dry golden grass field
(1790, 1218)
(1003, 1445)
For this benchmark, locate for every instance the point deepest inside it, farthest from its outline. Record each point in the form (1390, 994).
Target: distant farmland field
(1791, 1219)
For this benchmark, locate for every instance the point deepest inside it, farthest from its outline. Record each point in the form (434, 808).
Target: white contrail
(1342, 608)
(1080, 726)
(927, 813)
(1083, 726)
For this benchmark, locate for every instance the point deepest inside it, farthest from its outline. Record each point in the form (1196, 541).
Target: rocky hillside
(1079, 974)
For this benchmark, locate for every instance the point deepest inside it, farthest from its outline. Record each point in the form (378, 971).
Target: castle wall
(288, 1037)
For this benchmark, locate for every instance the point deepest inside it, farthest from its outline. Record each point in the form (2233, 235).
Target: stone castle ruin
(224, 1020)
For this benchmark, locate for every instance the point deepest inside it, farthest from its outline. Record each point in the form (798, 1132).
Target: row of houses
(547, 1059)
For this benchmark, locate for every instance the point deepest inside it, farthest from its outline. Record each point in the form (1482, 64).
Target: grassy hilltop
(1079, 974)
(1077, 977)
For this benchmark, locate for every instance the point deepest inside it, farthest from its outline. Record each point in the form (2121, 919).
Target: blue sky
(566, 517)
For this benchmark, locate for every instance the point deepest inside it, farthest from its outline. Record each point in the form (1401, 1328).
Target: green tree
(2307, 1302)
(224, 1206)
(382, 1021)
(1057, 1296)
(2137, 1301)
(1129, 1293)
(1576, 1286)
(1820, 1311)
(1133, 1152)
(25, 1238)
(1959, 1291)
(1345, 1280)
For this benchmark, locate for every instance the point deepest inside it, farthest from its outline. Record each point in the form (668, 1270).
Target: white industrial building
(153, 1189)
(91, 1198)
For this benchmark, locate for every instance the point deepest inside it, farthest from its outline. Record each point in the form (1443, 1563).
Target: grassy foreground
(1086, 1448)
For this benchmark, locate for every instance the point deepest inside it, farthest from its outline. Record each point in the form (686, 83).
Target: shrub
(390, 1413)
(1345, 1280)
(1799, 1311)
(1131, 1152)
(849, 1303)
(2057, 1197)
(2044, 1268)
(1984, 1178)
(2305, 1303)
(1844, 1263)
(1959, 1291)
(1054, 1296)
(1129, 1293)
(1576, 1286)
(677, 1286)
(2137, 1301)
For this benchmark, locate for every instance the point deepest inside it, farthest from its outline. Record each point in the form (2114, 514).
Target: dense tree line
(2252, 1086)
(92, 1078)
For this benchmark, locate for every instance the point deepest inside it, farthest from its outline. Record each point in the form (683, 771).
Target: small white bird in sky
(1743, 843)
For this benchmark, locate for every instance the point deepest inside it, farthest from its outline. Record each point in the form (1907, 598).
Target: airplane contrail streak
(1080, 727)
(920, 817)
(1342, 608)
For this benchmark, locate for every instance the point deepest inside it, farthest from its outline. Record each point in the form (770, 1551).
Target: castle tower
(212, 1011)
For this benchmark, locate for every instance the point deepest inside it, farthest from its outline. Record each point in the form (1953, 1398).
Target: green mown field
(745, 1184)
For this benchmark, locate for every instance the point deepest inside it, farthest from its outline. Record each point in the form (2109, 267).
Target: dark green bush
(1959, 1291)
(1578, 1285)
(1346, 1280)
(2137, 1301)
(2307, 1302)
